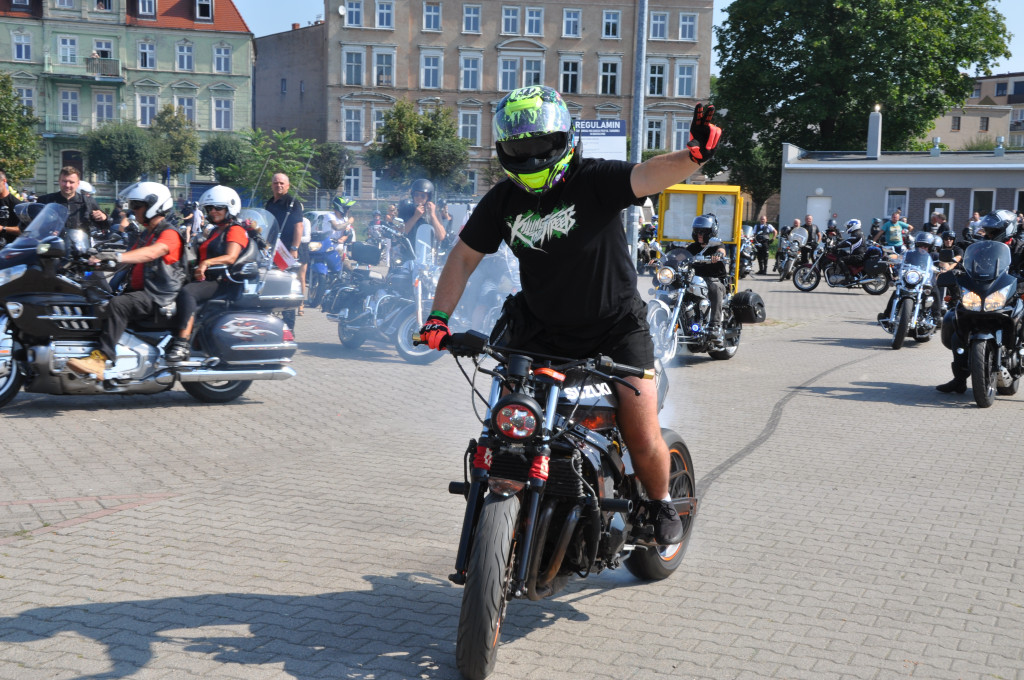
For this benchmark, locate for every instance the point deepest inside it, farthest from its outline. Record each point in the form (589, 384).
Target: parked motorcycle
(550, 490)
(873, 275)
(988, 319)
(54, 303)
(910, 311)
(788, 253)
(680, 312)
(325, 266)
(746, 251)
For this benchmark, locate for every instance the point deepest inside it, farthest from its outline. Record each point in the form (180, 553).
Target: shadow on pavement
(891, 393)
(34, 405)
(405, 626)
(852, 343)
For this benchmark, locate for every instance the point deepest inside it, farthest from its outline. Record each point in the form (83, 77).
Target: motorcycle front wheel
(983, 373)
(666, 340)
(730, 326)
(806, 278)
(653, 564)
(877, 285)
(315, 290)
(220, 392)
(11, 383)
(902, 323)
(784, 266)
(415, 354)
(488, 582)
(349, 338)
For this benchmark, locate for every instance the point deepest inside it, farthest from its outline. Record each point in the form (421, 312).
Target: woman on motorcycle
(225, 242)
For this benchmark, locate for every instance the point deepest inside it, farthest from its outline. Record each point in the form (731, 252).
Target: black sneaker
(668, 528)
(178, 350)
(958, 385)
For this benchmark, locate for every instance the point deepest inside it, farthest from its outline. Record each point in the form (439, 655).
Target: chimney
(295, 27)
(935, 150)
(875, 134)
(999, 150)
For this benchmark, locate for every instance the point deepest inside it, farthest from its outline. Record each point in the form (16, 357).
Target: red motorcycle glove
(703, 135)
(435, 331)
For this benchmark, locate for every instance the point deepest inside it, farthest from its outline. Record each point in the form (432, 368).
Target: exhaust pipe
(204, 375)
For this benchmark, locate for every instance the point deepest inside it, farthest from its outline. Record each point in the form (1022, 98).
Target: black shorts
(303, 256)
(625, 341)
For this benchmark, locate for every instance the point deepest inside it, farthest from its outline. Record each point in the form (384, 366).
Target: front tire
(414, 354)
(666, 339)
(11, 383)
(654, 564)
(349, 338)
(806, 278)
(315, 290)
(488, 579)
(877, 285)
(729, 325)
(983, 373)
(903, 323)
(220, 392)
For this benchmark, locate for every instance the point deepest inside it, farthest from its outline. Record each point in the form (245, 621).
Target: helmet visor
(541, 147)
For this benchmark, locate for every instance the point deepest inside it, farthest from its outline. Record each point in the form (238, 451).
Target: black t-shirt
(288, 212)
(7, 216)
(708, 270)
(574, 261)
(80, 210)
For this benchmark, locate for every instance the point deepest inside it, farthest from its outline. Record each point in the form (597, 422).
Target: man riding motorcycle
(714, 272)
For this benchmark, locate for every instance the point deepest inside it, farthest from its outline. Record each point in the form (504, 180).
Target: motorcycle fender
(320, 267)
(946, 334)
(654, 304)
(250, 338)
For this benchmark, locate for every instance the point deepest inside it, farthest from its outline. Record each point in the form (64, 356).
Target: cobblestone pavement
(854, 523)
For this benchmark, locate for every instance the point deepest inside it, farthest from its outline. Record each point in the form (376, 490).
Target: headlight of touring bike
(516, 418)
(665, 275)
(970, 300)
(997, 300)
(912, 277)
(315, 246)
(8, 275)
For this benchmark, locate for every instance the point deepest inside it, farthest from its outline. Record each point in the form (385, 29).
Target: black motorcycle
(988, 320)
(551, 491)
(746, 262)
(54, 304)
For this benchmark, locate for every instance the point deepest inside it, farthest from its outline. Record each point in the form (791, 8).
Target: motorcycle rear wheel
(806, 278)
(654, 564)
(903, 323)
(414, 354)
(666, 340)
(488, 582)
(983, 373)
(877, 285)
(350, 339)
(220, 392)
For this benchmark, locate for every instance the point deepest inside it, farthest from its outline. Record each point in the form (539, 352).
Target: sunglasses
(135, 205)
(216, 207)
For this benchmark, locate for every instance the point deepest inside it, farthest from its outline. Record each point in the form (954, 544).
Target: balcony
(87, 68)
(56, 126)
(1014, 98)
(1016, 125)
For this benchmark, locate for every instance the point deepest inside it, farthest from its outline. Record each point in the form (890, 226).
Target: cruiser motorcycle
(680, 312)
(873, 276)
(988, 320)
(788, 253)
(550, 490)
(746, 252)
(54, 303)
(910, 311)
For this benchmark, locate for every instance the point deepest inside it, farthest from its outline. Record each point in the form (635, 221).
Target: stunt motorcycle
(988, 320)
(680, 312)
(788, 253)
(911, 309)
(54, 303)
(550, 490)
(873, 275)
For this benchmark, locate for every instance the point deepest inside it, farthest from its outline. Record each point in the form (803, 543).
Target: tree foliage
(175, 142)
(809, 73)
(267, 154)
(331, 160)
(121, 149)
(19, 144)
(219, 152)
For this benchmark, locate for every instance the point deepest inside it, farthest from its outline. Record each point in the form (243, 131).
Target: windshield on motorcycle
(676, 257)
(49, 221)
(799, 236)
(986, 260)
(748, 231)
(261, 220)
(917, 259)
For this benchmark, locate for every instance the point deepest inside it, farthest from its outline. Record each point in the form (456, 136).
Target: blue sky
(269, 16)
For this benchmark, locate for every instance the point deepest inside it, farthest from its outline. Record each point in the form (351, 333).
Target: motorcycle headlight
(8, 275)
(516, 418)
(315, 246)
(912, 277)
(997, 300)
(970, 300)
(665, 275)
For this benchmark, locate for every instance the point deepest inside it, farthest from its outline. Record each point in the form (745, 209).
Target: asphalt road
(854, 523)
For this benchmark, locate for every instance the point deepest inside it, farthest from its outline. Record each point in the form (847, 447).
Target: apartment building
(466, 56)
(994, 109)
(81, 63)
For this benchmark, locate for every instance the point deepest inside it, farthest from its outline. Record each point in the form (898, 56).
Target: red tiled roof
(179, 14)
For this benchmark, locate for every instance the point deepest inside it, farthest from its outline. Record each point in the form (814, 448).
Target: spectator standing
(83, 213)
(288, 211)
(9, 226)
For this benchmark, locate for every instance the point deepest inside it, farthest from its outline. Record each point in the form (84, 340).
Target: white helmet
(86, 188)
(156, 196)
(221, 195)
(853, 224)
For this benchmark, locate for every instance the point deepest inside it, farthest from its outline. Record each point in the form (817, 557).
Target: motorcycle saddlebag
(364, 253)
(246, 338)
(748, 307)
(276, 290)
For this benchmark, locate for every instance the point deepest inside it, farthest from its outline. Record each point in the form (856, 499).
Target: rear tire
(488, 579)
(654, 564)
(877, 285)
(983, 374)
(903, 323)
(414, 354)
(806, 278)
(217, 392)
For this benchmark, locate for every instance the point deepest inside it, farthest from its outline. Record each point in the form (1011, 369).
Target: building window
(147, 109)
(1000, 89)
(532, 72)
(895, 198)
(681, 134)
(609, 77)
(22, 47)
(147, 7)
(147, 55)
(383, 68)
(378, 123)
(610, 24)
(354, 13)
(470, 72)
(656, 80)
(204, 10)
(654, 134)
(471, 18)
(430, 71)
(23, 3)
(104, 49)
(570, 23)
(222, 59)
(659, 25)
(977, 91)
(471, 182)
(688, 27)
(353, 118)
(222, 114)
(982, 201)
(69, 106)
(186, 106)
(954, 124)
(570, 76)
(510, 20)
(685, 76)
(25, 96)
(431, 16)
(385, 14)
(508, 74)
(534, 21)
(66, 4)
(983, 124)
(350, 185)
(67, 50)
(469, 127)
(104, 106)
(354, 66)
(185, 60)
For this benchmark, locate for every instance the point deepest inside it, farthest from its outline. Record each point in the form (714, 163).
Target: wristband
(440, 315)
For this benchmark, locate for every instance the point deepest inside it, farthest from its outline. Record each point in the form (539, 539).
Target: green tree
(268, 154)
(219, 152)
(19, 143)
(331, 161)
(808, 73)
(175, 142)
(394, 149)
(121, 149)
